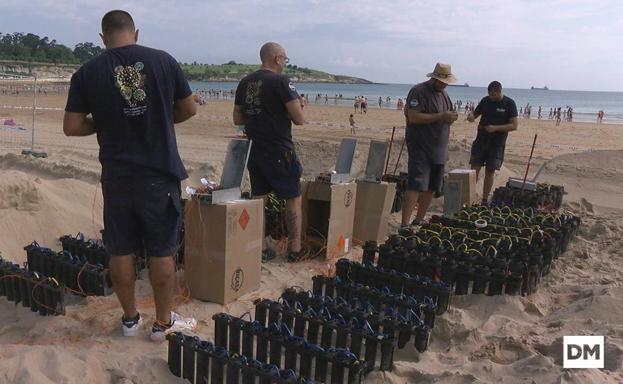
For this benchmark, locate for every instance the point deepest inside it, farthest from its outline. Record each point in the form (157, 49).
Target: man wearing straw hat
(429, 114)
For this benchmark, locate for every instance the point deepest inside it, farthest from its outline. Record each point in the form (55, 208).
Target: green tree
(84, 52)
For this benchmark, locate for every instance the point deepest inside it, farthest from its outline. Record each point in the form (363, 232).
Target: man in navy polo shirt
(498, 116)
(135, 95)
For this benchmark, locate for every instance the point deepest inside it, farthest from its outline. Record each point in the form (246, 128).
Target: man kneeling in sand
(135, 95)
(498, 117)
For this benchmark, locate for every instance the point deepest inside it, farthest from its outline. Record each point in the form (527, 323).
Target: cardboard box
(223, 248)
(328, 215)
(373, 209)
(459, 190)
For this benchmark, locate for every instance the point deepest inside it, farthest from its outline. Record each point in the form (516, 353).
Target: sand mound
(42, 209)
(22, 195)
(46, 168)
(596, 175)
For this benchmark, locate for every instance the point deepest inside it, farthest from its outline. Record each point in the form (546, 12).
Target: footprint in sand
(505, 352)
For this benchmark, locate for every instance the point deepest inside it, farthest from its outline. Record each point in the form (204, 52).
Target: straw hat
(443, 73)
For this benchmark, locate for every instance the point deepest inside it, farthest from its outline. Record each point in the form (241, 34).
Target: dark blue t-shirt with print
(130, 92)
(494, 113)
(262, 97)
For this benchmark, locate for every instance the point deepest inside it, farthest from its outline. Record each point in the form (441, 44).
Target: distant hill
(233, 71)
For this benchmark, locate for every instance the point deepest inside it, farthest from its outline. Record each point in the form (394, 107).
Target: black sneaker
(268, 255)
(293, 257)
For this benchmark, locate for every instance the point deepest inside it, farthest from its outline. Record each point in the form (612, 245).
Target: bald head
(273, 57)
(269, 51)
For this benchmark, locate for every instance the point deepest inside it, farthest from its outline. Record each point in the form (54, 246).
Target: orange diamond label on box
(244, 218)
(340, 243)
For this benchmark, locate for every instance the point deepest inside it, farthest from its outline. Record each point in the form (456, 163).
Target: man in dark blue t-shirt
(134, 95)
(267, 104)
(498, 117)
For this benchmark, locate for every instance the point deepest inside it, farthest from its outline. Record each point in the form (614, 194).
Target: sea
(585, 104)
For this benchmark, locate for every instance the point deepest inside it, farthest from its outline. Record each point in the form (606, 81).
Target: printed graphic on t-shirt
(252, 98)
(131, 82)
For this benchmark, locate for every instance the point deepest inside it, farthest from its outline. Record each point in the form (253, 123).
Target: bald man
(267, 104)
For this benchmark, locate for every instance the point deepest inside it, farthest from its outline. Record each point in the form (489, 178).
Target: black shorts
(279, 173)
(143, 214)
(423, 175)
(488, 155)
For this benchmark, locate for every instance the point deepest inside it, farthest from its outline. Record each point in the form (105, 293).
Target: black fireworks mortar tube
(189, 347)
(204, 351)
(175, 353)
(220, 357)
(221, 326)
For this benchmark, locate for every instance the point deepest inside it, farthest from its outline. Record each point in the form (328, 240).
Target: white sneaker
(178, 324)
(131, 327)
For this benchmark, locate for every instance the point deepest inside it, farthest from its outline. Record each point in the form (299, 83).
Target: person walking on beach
(498, 116)
(380, 102)
(353, 125)
(558, 116)
(135, 95)
(600, 116)
(428, 114)
(267, 103)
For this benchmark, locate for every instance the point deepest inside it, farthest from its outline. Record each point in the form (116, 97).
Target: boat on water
(539, 89)
(459, 85)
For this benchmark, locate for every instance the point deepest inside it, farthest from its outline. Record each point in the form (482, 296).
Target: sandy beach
(480, 339)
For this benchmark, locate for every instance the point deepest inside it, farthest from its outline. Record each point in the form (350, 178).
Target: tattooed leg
(293, 223)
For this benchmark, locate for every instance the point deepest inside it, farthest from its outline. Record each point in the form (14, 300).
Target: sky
(563, 44)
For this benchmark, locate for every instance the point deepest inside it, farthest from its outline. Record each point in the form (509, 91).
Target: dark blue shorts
(489, 155)
(279, 173)
(423, 174)
(143, 214)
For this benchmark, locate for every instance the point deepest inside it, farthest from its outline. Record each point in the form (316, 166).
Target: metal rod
(399, 155)
(34, 111)
(389, 152)
(523, 184)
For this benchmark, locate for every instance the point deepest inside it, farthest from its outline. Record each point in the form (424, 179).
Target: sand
(479, 340)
